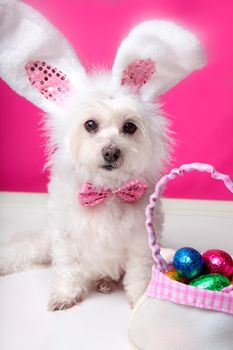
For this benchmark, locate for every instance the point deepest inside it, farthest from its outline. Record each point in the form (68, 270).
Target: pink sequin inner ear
(137, 73)
(51, 82)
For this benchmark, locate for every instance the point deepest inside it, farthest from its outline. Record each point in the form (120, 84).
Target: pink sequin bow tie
(132, 191)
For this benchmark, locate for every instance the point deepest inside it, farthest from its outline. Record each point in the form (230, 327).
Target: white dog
(108, 143)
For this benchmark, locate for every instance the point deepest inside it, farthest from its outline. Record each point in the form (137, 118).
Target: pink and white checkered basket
(161, 286)
(175, 316)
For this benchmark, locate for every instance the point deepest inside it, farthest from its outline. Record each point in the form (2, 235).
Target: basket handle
(161, 185)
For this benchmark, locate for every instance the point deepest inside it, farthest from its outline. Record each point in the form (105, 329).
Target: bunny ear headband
(38, 62)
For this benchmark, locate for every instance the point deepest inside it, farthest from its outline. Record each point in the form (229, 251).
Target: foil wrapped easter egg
(218, 261)
(213, 281)
(188, 262)
(174, 276)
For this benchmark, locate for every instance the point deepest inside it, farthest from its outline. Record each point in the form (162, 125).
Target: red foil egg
(218, 261)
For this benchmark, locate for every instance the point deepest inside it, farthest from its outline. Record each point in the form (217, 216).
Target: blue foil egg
(188, 262)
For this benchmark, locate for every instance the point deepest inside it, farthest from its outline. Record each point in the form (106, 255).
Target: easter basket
(176, 316)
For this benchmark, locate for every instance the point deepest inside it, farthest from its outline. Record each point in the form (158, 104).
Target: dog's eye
(91, 125)
(129, 128)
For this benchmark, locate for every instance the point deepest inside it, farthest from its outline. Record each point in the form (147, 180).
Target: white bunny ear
(35, 58)
(155, 56)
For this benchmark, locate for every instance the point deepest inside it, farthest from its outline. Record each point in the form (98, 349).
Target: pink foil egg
(218, 261)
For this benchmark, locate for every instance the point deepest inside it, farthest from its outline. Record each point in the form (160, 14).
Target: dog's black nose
(111, 153)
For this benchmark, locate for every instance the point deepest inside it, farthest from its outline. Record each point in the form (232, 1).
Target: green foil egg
(212, 281)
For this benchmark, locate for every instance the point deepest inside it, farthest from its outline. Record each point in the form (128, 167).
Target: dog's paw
(134, 294)
(131, 303)
(105, 285)
(4, 270)
(6, 264)
(60, 302)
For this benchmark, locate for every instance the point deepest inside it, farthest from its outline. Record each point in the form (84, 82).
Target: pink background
(200, 107)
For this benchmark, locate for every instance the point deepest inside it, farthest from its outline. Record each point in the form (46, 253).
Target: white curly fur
(90, 243)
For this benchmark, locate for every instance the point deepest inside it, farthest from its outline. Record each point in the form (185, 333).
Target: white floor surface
(100, 322)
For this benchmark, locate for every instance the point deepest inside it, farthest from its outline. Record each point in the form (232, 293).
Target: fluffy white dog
(108, 143)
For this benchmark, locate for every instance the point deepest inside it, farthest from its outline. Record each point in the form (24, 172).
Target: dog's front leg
(70, 283)
(68, 288)
(137, 276)
(138, 272)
